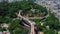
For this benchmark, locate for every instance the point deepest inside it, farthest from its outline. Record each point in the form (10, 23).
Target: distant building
(17, 0)
(1, 0)
(14, 0)
(10, 0)
(0, 32)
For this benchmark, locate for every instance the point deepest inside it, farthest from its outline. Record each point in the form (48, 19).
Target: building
(17, 0)
(1, 0)
(0, 32)
(52, 5)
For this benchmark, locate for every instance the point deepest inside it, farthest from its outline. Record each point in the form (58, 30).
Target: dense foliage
(10, 9)
(8, 13)
(15, 28)
(51, 21)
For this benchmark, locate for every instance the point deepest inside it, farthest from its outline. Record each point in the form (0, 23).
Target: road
(32, 24)
(29, 22)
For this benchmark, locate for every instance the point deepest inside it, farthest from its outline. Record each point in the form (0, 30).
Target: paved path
(28, 21)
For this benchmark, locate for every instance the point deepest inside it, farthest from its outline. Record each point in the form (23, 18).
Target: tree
(52, 21)
(49, 31)
(3, 9)
(20, 31)
(15, 27)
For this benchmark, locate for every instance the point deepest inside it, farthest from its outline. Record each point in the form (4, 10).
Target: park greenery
(51, 21)
(15, 27)
(8, 13)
